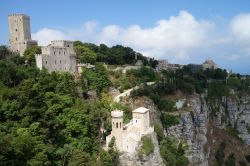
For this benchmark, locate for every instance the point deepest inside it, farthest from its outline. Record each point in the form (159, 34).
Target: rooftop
(141, 110)
(117, 113)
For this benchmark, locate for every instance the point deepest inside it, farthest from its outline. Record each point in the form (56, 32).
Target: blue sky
(181, 31)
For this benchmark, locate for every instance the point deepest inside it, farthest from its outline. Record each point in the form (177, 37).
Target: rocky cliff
(154, 158)
(193, 129)
(203, 129)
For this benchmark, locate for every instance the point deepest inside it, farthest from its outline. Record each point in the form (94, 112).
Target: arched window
(116, 124)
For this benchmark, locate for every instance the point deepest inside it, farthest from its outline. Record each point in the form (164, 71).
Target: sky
(180, 31)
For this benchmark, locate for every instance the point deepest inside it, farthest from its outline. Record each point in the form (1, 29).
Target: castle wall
(19, 33)
(56, 57)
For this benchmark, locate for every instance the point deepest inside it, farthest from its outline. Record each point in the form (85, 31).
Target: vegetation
(169, 120)
(116, 55)
(97, 79)
(235, 133)
(220, 154)
(45, 122)
(147, 146)
(173, 152)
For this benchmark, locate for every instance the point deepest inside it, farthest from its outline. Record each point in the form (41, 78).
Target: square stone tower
(19, 33)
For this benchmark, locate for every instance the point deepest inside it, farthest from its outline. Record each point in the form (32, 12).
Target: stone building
(162, 65)
(128, 136)
(209, 64)
(19, 33)
(57, 56)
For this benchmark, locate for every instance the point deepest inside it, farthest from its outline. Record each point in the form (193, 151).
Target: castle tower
(141, 118)
(117, 128)
(19, 33)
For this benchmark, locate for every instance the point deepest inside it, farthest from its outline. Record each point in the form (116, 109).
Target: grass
(235, 133)
(147, 146)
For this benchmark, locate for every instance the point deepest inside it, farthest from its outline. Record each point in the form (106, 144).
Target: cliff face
(193, 129)
(127, 159)
(239, 116)
(203, 133)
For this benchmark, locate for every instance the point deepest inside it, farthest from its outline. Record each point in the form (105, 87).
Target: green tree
(84, 54)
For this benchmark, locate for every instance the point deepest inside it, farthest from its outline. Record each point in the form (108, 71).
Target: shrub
(231, 161)
(219, 155)
(147, 146)
(169, 120)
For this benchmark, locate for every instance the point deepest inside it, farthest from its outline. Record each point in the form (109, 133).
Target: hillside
(58, 119)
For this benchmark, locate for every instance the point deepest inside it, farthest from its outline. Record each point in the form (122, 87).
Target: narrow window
(55, 61)
(135, 121)
(54, 52)
(16, 38)
(59, 52)
(46, 62)
(120, 124)
(60, 62)
(64, 52)
(16, 30)
(116, 125)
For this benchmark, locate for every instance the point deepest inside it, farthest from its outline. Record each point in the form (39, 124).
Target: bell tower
(117, 128)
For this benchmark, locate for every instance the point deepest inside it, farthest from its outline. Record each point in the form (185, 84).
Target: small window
(16, 30)
(120, 124)
(55, 61)
(54, 53)
(116, 125)
(60, 62)
(64, 52)
(135, 121)
(59, 52)
(46, 62)
(16, 38)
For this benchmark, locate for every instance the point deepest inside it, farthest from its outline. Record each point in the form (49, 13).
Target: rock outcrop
(128, 159)
(239, 116)
(193, 130)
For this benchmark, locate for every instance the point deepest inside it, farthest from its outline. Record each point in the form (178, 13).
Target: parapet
(117, 114)
(18, 14)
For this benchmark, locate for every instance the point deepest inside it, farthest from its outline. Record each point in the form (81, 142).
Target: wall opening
(116, 124)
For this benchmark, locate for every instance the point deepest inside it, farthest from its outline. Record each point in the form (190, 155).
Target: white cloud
(240, 31)
(45, 35)
(173, 38)
(240, 28)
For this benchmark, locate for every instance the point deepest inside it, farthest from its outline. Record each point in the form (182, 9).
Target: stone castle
(128, 136)
(19, 33)
(57, 56)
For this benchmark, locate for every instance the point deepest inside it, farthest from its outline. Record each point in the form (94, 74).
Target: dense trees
(119, 55)
(43, 121)
(84, 54)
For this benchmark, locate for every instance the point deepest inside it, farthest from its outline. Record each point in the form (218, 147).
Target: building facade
(57, 56)
(128, 136)
(209, 64)
(19, 33)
